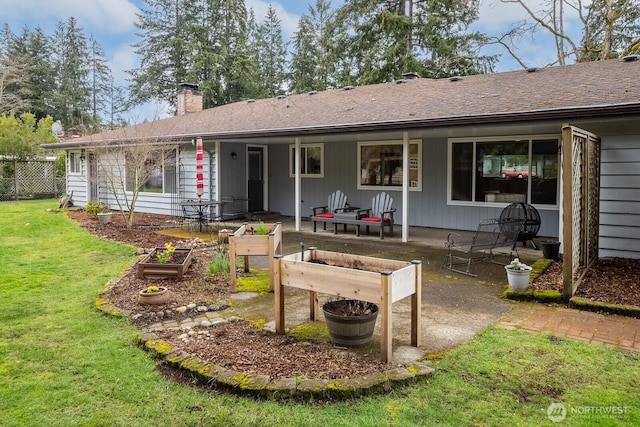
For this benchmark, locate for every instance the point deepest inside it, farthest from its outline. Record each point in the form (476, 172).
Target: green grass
(64, 363)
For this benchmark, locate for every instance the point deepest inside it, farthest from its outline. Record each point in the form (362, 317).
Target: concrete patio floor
(454, 306)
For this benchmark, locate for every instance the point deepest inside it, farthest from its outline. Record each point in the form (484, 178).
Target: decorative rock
(206, 323)
(192, 332)
(235, 319)
(201, 308)
(191, 306)
(183, 336)
(182, 309)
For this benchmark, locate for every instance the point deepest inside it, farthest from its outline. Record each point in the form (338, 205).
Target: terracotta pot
(153, 298)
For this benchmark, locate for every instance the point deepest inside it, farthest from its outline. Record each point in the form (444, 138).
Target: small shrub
(220, 264)
(262, 229)
(92, 207)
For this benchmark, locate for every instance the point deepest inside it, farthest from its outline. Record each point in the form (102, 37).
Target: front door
(255, 176)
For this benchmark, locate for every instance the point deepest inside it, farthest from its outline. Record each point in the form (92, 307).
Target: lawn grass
(64, 363)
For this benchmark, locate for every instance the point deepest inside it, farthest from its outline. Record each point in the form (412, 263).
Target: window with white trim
(311, 160)
(75, 162)
(156, 175)
(504, 170)
(381, 164)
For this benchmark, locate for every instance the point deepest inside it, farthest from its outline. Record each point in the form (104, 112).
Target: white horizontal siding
(620, 197)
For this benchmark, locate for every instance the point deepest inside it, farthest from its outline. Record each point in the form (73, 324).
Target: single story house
(451, 151)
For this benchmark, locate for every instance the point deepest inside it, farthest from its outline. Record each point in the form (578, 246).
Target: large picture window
(155, 174)
(381, 164)
(312, 160)
(504, 170)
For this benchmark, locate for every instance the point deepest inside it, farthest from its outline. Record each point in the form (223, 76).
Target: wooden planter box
(376, 280)
(155, 269)
(243, 243)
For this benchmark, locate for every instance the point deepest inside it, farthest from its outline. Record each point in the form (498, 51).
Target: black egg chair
(531, 218)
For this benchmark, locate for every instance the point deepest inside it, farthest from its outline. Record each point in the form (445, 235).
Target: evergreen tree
(101, 82)
(387, 39)
(304, 63)
(313, 57)
(163, 49)
(13, 73)
(41, 84)
(72, 97)
(271, 55)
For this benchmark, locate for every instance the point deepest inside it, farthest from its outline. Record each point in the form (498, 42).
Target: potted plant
(551, 249)
(104, 213)
(518, 274)
(153, 295)
(350, 322)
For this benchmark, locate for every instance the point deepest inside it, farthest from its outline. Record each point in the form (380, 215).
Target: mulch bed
(241, 346)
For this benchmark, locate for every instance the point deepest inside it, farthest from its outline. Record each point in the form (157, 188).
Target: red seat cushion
(325, 215)
(374, 219)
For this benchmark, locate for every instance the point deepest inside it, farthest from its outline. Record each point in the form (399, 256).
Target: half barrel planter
(245, 242)
(376, 280)
(149, 269)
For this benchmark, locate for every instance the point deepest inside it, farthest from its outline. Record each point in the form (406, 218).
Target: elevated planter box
(246, 242)
(148, 268)
(376, 280)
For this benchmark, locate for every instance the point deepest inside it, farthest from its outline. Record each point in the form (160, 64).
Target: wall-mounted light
(234, 155)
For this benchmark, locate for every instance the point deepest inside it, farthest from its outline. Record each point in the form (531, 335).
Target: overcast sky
(111, 23)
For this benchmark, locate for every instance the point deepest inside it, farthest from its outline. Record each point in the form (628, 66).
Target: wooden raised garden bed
(246, 242)
(151, 267)
(376, 280)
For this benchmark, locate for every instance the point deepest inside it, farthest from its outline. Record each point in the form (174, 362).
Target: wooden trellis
(581, 201)
(32, 179)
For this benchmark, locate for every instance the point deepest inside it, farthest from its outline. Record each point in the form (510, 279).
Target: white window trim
(473, 140)
(292, 160)
(73, 155)
(412, 165)
(164, 191)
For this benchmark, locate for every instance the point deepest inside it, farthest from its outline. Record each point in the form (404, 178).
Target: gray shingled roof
(603, 88)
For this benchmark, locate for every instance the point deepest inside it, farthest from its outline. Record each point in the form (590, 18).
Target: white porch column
(297, 181)
(405, 186)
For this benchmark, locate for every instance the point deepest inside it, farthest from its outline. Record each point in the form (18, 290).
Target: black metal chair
(531, 218)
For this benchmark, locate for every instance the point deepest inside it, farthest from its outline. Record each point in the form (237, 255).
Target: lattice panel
(593, 198)
(577, 193)
(30, 179)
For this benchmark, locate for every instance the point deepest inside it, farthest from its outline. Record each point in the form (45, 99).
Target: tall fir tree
(164, 50)
(313, 59)
(271, 55)
(101, 82)
(386, 39)
(72, 95)
(14, 72)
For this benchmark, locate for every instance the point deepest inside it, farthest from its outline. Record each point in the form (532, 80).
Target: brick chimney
(189, 99)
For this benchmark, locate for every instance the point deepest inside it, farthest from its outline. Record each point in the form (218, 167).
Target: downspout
(297, 179)
(405, 186)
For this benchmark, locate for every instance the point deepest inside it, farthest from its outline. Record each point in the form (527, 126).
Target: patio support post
(298, 183)
(405, 186)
